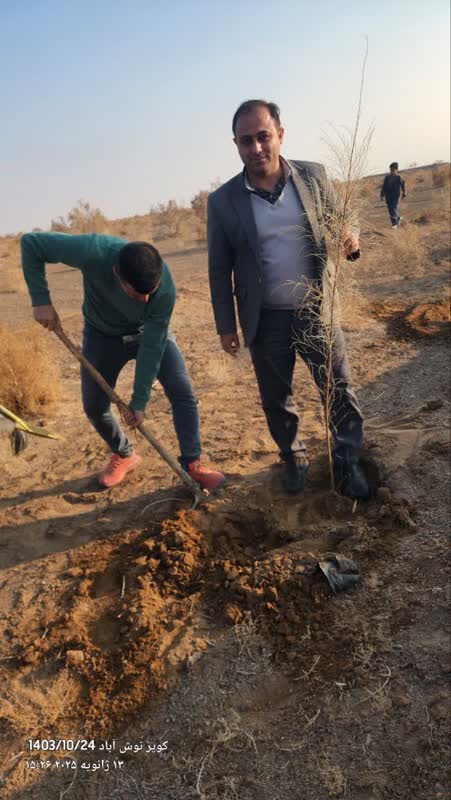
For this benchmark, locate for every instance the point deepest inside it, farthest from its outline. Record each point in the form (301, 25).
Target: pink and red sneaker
(206, 478)
(117, 469)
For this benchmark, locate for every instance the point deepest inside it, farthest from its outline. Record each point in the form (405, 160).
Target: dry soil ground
(131, 621)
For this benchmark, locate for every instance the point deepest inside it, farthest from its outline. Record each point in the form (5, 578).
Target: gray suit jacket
(233, 252)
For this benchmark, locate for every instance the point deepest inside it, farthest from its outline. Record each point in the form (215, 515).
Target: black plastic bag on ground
(340, 573)
(19, 441)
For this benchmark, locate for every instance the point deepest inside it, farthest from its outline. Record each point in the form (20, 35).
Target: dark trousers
(280, 336)
(109, 354)
(393, 210)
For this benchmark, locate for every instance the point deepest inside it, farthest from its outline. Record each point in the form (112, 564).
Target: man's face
(258, 140)
(393, 170)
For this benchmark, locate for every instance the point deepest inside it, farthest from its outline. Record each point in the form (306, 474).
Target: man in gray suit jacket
(267, 248)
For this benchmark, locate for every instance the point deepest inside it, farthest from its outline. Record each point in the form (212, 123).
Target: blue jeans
(282, 334)
(109, 354)
(393, 210)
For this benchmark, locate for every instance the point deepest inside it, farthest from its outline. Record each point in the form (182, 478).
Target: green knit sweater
(105, 306)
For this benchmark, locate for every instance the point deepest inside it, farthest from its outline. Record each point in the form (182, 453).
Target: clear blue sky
(126, 104)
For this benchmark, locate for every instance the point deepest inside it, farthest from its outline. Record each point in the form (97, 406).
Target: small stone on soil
(74, 657)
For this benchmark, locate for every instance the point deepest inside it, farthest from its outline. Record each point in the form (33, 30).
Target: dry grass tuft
(28, 379)
(11, 280)
(436, 215)
(440, 176)
(228, 735)
(368, 189)
(11, 276)
(407, 251)
(29, 710)
(333, 780)
(218, 369)
(418, 181)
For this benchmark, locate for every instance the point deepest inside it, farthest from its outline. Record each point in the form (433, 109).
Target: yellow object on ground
(21, 425)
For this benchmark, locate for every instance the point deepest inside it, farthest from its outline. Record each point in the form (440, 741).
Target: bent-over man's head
(258, 136)
(139, 270)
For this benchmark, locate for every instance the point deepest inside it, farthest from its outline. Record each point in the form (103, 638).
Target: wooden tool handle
(114, 397)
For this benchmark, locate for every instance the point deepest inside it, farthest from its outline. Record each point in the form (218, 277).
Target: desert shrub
(28, 378)
(199, 205)
(81, 219)
(437, 214)
(167, 218)
(11, 280)
(407, 250)
(367, 190)
(141, 227)
(440, 175)
(11, 276)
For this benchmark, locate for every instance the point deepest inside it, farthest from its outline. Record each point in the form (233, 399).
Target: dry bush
(81, 219)
(407, 251)
(168, 219)
(10, 247)
(11, 275)
(367, 190)
(418, 181)
(11, 280)
(333, 780)
(199, 206)
(436, 215)
(141, 227)
(440, 175)
(28, 379)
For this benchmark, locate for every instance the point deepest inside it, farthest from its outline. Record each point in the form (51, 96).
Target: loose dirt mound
(430, 319)
(419, 321)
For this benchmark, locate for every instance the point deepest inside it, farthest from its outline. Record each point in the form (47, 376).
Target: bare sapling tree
(343, 205)
(349, 152)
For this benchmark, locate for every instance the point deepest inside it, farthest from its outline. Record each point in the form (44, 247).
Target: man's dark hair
(140, 265)
(394, 165)
(249, 105)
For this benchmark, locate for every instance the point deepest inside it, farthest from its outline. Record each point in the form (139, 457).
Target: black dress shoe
(296, 467)
(350, 479)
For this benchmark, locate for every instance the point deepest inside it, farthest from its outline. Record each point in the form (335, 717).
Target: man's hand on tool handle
(47, 317)
(133, 418)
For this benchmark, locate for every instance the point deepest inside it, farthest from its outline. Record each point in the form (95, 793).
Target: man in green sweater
(129, 295)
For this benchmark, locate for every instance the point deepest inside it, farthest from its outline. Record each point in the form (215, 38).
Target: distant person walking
(129, 296)
(391, 190)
